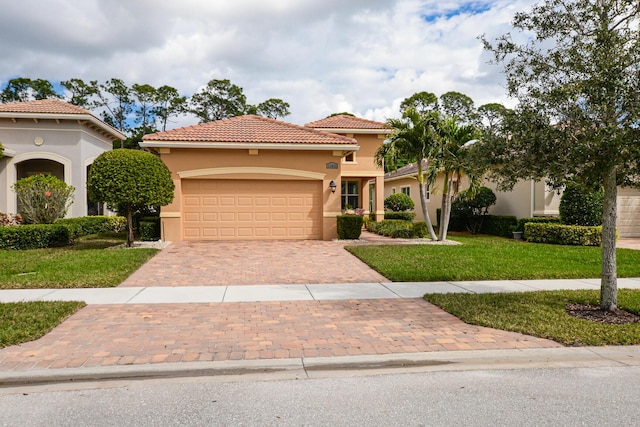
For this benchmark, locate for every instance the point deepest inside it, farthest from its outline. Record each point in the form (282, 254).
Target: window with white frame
(349, 158)
(406, 190)
(350, 194)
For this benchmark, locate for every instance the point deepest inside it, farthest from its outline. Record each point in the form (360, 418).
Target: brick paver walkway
(100, 335)
(253, 263)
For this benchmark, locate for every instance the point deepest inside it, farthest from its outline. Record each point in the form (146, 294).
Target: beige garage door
(628, 212)
(247, 209)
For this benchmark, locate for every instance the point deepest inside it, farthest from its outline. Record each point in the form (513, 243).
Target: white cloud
(322, 57)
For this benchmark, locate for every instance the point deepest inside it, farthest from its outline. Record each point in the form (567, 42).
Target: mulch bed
(594, 314)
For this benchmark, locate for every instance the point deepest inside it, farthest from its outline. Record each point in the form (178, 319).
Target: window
(393, 190)
(350, 194)
(406, 190)
(350, 158)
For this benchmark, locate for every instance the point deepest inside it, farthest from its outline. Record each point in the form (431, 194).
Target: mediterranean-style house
(51, 137)
(250, 177)
(527, 199)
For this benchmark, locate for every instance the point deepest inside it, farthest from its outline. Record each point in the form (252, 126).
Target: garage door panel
(242, 209)
(628, 222)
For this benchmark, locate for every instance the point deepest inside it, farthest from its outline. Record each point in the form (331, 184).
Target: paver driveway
(253, 263)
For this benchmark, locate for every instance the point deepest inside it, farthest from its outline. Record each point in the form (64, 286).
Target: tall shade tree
(413, 138)
(456, 104)
(80, 93)
(422, 102)
(115, 99)
(23, 89)
(131, 178)
(272, 108)
(453, 162)
(169, 104)
(145, 98)
(219, 99)
(574, 66)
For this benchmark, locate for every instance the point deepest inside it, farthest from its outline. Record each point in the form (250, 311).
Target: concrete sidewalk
(308, 292)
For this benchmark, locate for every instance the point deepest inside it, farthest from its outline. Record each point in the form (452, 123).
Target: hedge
(93, 225)
(349, 226)
(497, 225)
(149, 229)
(34, 236)
(399, 229)
(561, 234)
(537, 220)
(405, 216)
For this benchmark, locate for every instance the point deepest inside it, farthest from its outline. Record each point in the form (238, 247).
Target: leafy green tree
(23, 89)
(169, 104)
(219, 99)
(134, 179)
(414, 138)
(272, 108)
(114, 96)
(456, 104)
(574, 67)
(580, 206)
(42, 199)
(80, 93)
(422, 102)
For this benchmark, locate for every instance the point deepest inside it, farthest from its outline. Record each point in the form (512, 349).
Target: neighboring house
(51, 137)
(251, 177)
(405, 180)
(531, 199)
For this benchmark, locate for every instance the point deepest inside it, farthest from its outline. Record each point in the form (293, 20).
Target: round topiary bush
(579, 206)
(398, 202)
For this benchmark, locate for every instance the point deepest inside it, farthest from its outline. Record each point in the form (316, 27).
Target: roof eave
(355, 131)
(250, 146)
(115, 133)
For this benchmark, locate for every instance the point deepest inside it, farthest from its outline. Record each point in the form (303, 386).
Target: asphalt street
(542, 397)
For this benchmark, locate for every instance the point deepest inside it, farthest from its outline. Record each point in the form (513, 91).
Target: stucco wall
(250, 165)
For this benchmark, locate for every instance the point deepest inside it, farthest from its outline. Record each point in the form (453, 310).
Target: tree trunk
(444, 209)
(425, 211)
(609, 282)
(129, 227)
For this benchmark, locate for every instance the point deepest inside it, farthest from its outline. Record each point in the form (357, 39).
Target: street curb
(324, 367)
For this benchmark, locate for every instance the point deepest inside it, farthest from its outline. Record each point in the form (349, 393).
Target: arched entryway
(32, 167)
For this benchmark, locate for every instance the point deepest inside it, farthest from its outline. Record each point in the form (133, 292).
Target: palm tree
(415, 139)
(453, 161)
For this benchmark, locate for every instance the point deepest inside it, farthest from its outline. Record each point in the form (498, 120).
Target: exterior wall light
(332, 186)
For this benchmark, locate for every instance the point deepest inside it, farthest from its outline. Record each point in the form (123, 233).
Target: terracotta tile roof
(249, 129)
(344, 121)
(43, 106)
(408, 170)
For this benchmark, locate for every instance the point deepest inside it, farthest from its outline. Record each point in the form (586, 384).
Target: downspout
(533, 198)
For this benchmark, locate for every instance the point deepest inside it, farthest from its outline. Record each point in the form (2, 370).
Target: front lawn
(490, 258)
(26, 321)
(86, 264)
(542, 314)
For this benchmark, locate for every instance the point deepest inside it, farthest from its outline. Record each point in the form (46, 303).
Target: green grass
(86, 264)
(26, 321)
(490, 258)
(542, 314)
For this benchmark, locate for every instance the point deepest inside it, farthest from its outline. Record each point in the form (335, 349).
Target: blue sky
(362, 56)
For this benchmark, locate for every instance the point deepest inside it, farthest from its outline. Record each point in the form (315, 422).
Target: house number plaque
(332, 165)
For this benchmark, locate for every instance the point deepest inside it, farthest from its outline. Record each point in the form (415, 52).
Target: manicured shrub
(398, 202)
(34, 236)
(150, 230)
(395, 228)
(420, 229)
(133, 179)
(581, 207)
(471, 207)
(349, 226)
(42, 199)
(562, 234)
(93, 225)
(497, 225)
(537, 220)
(404, 216)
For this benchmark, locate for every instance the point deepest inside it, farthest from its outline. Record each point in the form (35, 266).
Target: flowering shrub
(10, 219)
(42, 199)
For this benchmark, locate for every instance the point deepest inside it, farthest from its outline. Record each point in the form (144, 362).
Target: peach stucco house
(51, 137)
(251, 177)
